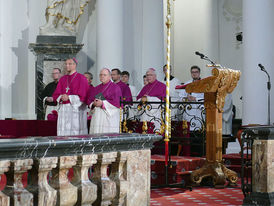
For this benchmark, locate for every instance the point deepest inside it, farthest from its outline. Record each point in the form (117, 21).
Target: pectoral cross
(67, 88)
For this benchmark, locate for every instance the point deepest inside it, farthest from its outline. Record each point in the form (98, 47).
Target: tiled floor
(198, 196)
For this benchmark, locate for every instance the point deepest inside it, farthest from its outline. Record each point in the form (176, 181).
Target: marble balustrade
(120, 170)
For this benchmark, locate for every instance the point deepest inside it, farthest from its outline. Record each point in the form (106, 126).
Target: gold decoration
(168, 114)
(217, 171)
(215, 88)
(162, 128)
(139, 107)
(120, 125)
(125, 129)
(184, 127)
(144, 127)
(148, 107)
(222, 80)
(60, 16)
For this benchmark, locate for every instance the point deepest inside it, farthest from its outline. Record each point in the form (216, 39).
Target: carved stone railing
(120, 166)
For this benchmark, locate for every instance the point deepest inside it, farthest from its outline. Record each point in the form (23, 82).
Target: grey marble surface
(38, 147)
(259, 132)
(55, 49)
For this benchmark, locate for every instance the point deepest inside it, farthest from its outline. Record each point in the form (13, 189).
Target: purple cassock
(126, 93)
(111, 92)
(154, 89)
(74, 84)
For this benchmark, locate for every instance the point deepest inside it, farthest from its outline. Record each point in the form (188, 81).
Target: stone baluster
(4, 167)
(19, 196)
(66, 192)
(87, 191)
(44, 194)
(106, 187)
(119, 175)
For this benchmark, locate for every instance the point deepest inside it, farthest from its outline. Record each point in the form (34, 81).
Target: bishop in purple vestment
(104, 102)
(116, 77)
(153, 91)
(71, 94)
(154, 88)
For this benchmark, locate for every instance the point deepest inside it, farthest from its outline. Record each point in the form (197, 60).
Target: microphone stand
(209, 60)
(268, 101)
(204, 57)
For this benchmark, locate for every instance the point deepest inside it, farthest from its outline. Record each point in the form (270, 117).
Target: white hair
(152, 70)
(107, 69)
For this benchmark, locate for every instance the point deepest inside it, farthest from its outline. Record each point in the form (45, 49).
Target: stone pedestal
(262, 192)
(50, 52)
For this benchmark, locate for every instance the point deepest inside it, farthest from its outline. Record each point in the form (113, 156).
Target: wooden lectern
(215, 88)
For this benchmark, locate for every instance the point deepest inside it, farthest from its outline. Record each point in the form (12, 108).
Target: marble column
(109, 34)
(153, 53)
(144, 40)
(5, 59)
(258, 32)
(48, 49)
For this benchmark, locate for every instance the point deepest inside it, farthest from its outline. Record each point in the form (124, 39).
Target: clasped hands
(98, 103)
(49, 99)
(64, 97)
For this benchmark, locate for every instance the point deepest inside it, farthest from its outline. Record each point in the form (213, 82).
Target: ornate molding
(222, 81)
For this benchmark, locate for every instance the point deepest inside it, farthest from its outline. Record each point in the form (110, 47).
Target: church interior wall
(87, 36)
(258, 31)
(231, 50)
(130, 23)
(143, 39)
(19, 27)
(17, 31)
(207, 26)
(203, 26)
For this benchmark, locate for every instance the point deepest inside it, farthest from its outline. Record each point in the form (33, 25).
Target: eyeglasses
(193, 72)
(55, 73)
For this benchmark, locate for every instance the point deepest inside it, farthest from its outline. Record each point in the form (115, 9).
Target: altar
(24, 128)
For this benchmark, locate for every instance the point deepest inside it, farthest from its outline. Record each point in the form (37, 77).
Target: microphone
(205, 58)
(268, 88)
(199, 54)
(262, 67)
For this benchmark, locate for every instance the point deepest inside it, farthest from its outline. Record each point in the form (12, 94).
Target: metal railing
(187, 120)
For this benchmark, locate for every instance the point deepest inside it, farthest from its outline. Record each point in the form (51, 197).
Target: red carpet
(180, 172)
(198, 196)
(233, 162)
(182, 166)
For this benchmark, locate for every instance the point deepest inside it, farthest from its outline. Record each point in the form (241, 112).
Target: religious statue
(63, 17)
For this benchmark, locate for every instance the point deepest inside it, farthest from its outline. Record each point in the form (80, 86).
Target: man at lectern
(194, 112)
(192, 97)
